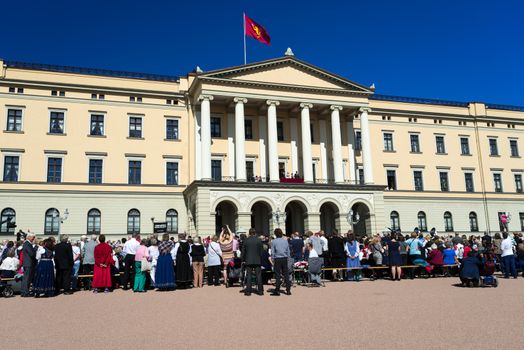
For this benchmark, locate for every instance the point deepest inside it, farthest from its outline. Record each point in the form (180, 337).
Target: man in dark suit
(64, 265)
(28, 264)
(252, 259)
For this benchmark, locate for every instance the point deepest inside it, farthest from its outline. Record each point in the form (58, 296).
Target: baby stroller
(9, 287)
(488, 269)
(234, 272)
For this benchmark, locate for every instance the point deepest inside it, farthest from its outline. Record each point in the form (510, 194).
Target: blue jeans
(74, 275)
(509, 266)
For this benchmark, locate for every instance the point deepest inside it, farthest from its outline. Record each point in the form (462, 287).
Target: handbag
(146, 265)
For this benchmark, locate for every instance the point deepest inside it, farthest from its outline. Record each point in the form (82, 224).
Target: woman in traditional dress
(352, 249)
(228, 246)
(102, 269)
(183, 262)
(44, 280)
(140, 276)
(165, 273)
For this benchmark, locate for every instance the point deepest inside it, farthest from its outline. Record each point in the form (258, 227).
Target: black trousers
(129, 271)
(29, 274)
(281, 271)
(258, 273)
(63, 279)
(213, 275)
(87, 269)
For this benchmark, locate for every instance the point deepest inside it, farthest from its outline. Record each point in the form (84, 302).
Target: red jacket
(435, 257)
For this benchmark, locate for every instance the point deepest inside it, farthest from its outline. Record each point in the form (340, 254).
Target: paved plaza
(430, 314)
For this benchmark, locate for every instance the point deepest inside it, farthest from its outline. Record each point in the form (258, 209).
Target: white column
(307, 162)
(366, 146)
(272, 140)
(240, 147)
(336, 141)
(262, 137)
(293, 130)
(323, 151)
(198, 148)
(351, 152)
(231, 144)
(205, 134)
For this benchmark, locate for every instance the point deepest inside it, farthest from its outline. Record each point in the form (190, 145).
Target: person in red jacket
(102, 269)
(435, 259)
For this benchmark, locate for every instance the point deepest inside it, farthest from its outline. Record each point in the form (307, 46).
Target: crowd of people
(48, 268)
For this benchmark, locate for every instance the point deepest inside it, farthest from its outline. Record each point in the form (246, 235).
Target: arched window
(448, 222)
(172, 221)
(473, 222)
(52, 221)
(422, 223)
(8, 216)
(93, 221)
(133, 221)
(395, 220)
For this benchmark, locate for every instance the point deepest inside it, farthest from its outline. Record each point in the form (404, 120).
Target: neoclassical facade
(273, 143)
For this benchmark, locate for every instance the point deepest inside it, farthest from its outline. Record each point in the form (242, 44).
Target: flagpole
(244, 20)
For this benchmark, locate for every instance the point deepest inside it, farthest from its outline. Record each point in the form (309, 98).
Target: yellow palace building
(273, 143)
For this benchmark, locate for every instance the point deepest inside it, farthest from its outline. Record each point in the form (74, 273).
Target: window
(12, 89)
(58, 93)
(248, 129)
(514, 148)
(7, 218)
(135, 127)
(280, 131)
(172, 173)
(250, 172)
(135, 99)
(281, 170)
(56, 123)
(97, 124)
(468, 178)
(133, 221)
(312, 132)
(395, 221)
(521, 217)
(95, 171)
(216, 169)
(172, 129)
(415, 144)
(52, 222)
(361, 180)
(93, 222)
(493, 149)
(392, 179)
(172, 221)
(358, 140)
(54, 170)
(388, 142)
(444, 183)
(518, 183)
(135, 172)
(14, 120)
(464, 146)
(473, 222)
(216, 130)
(448, 222)
(441, 148)
(497, 179)
(11, 166)
(422, 222)
(417, 178)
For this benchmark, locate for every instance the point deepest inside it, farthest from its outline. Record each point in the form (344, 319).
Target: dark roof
(505, 107)
(427, 101)
(90, 71)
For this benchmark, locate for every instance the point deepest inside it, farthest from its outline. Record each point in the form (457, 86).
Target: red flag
(256, 31)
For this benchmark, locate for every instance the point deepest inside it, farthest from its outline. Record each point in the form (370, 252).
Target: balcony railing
(288, 180)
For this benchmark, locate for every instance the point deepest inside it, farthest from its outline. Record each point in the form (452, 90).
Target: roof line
(90, 71)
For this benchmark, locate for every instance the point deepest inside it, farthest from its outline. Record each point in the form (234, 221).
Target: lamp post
(352, 219)
(279, 217)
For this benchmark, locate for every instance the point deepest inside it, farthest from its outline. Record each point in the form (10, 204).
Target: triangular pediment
(286, 71)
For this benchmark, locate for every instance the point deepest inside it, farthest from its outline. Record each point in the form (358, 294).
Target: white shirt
(213, 254)
(131, 246)
(324, 243)
(313, 253)
(10, 264)
(459, 250)
(507, 247)
(76, 251)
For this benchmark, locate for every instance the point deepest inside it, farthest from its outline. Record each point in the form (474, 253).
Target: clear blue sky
(449, 49)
